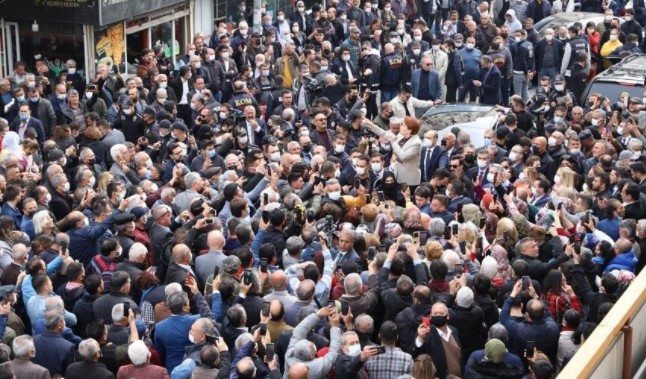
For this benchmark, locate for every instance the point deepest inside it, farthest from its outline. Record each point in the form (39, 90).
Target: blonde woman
(433, 252)
(565, 178)
(104, 179)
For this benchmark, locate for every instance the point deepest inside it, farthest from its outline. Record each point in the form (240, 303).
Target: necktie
(427, 162)
(405, 104)
(480, 175)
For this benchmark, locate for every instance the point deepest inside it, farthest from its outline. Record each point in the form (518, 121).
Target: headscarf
(11, 143)
(500, 255)
(393, 191)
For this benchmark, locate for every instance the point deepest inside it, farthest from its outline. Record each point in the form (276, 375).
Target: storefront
(89, 31)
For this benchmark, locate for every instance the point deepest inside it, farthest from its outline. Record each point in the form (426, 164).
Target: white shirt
(184, 99)
(445, 336)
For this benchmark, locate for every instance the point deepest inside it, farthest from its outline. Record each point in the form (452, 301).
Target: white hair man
(22, 365)
(90, 351)
(140, 368)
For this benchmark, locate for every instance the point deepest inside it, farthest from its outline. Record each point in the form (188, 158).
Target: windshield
(612, 90)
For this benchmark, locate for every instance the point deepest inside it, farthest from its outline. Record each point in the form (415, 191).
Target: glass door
(9, 46)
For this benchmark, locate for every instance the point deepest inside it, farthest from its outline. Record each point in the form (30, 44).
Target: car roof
(458, 107)
(630, 69)
(569, 18)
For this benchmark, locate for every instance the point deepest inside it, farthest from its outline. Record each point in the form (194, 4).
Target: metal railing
(617, 347)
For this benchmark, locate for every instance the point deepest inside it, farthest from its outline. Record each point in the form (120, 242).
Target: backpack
(423, 367)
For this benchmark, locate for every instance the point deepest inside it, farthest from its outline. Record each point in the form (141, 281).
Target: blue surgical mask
(149, 174)
(24, 116)
(211, 153)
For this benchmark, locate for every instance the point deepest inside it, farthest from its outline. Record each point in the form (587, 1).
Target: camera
(312, 85)
(235, 115)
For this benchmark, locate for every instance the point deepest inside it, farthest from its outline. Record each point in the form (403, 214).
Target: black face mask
(439, 321)
(534, 150)
(363, 336)
(307, 148)
(352, 99)
(469, 158)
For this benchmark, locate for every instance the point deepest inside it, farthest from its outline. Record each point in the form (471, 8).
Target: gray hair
(346, 335)
(117, 150)
(364, 323)
(57, 180)
(206, 326)
(52, 319)
(22, 345)
(242, 339)
(137, 250)
(88, 348)
(138, 353)
(19, 251)
(172, 288)
(352, 284)
(436, 227)
(176, 301)
(190, 179)
(294, 245)
(117, 313)
(498, 331)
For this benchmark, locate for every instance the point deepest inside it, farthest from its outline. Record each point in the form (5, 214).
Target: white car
(472, 118)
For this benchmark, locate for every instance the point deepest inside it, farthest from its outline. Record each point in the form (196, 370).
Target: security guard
(576, 45)
(503, 60)
(241, 97)
(522, 54)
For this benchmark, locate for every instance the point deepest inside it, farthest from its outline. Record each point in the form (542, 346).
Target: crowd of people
(268, 204)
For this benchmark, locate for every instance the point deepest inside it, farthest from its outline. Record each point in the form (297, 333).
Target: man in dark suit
(633, 208)
(481, 170)
(182, 85)
(433, 156)
(489, 82)
(540, 192)
(181, 266)
(255, 127)
(455, 191)
(638, 171)
(160, 236)
(441, 342)
(24, 121)
(345, 69)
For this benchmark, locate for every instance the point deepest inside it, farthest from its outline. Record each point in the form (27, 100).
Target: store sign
(119, 10)
(76, 11)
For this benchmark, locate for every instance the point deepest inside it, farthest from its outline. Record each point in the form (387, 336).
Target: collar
(445, 336)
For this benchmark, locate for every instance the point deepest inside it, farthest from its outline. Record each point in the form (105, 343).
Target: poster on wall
(117, 10)
(109, 45)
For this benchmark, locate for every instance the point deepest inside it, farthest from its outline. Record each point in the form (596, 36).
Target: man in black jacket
(90, 351)
(537, 269)
(409, 319)
(607, 292)
(441, 342)
(468, 319)
(350, 363)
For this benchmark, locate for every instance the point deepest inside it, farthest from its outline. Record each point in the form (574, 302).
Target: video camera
(312, 85)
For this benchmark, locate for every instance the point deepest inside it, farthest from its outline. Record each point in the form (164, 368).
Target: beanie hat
(495, 350)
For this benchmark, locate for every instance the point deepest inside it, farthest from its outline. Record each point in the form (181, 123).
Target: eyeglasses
(455, 165)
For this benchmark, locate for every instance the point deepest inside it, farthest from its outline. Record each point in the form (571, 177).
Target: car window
(612, 90)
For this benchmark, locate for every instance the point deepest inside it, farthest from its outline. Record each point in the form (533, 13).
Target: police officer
(241, 98)
(522, 53)
(503, 60)
(576, 45)
(560, 91)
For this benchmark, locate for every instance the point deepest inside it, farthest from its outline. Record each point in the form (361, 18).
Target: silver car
(472, 118)
(568, 19)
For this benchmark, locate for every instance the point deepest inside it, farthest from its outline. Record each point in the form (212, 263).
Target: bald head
(623, 245)
(278, 280)
(182, 254)
(215, 240)
(298, 371)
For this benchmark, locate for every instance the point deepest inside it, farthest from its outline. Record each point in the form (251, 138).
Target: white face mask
(275, 156)
(337, 173)
(66, 187)
(163, 84)
(88, 95)
(345, 57)
(552, 141)
(62, 96)
(522, 176)
(436, 47)
(513, 156)
(470, 46)
(71, 71)
(339, 148)
(354, 350)
(417, 51)
(48, 198)
(376, 167)
(360, 170)
(482, 163)
(225, 55)
(128, 111)
(620, 130)
(490, 177)
(324, 68)
(517, 39)
(334, 195)
(92, 182)
(559, 87)
(557, 179)
(417, 38)
(594, 122)
(191, 338)
(210, 58)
